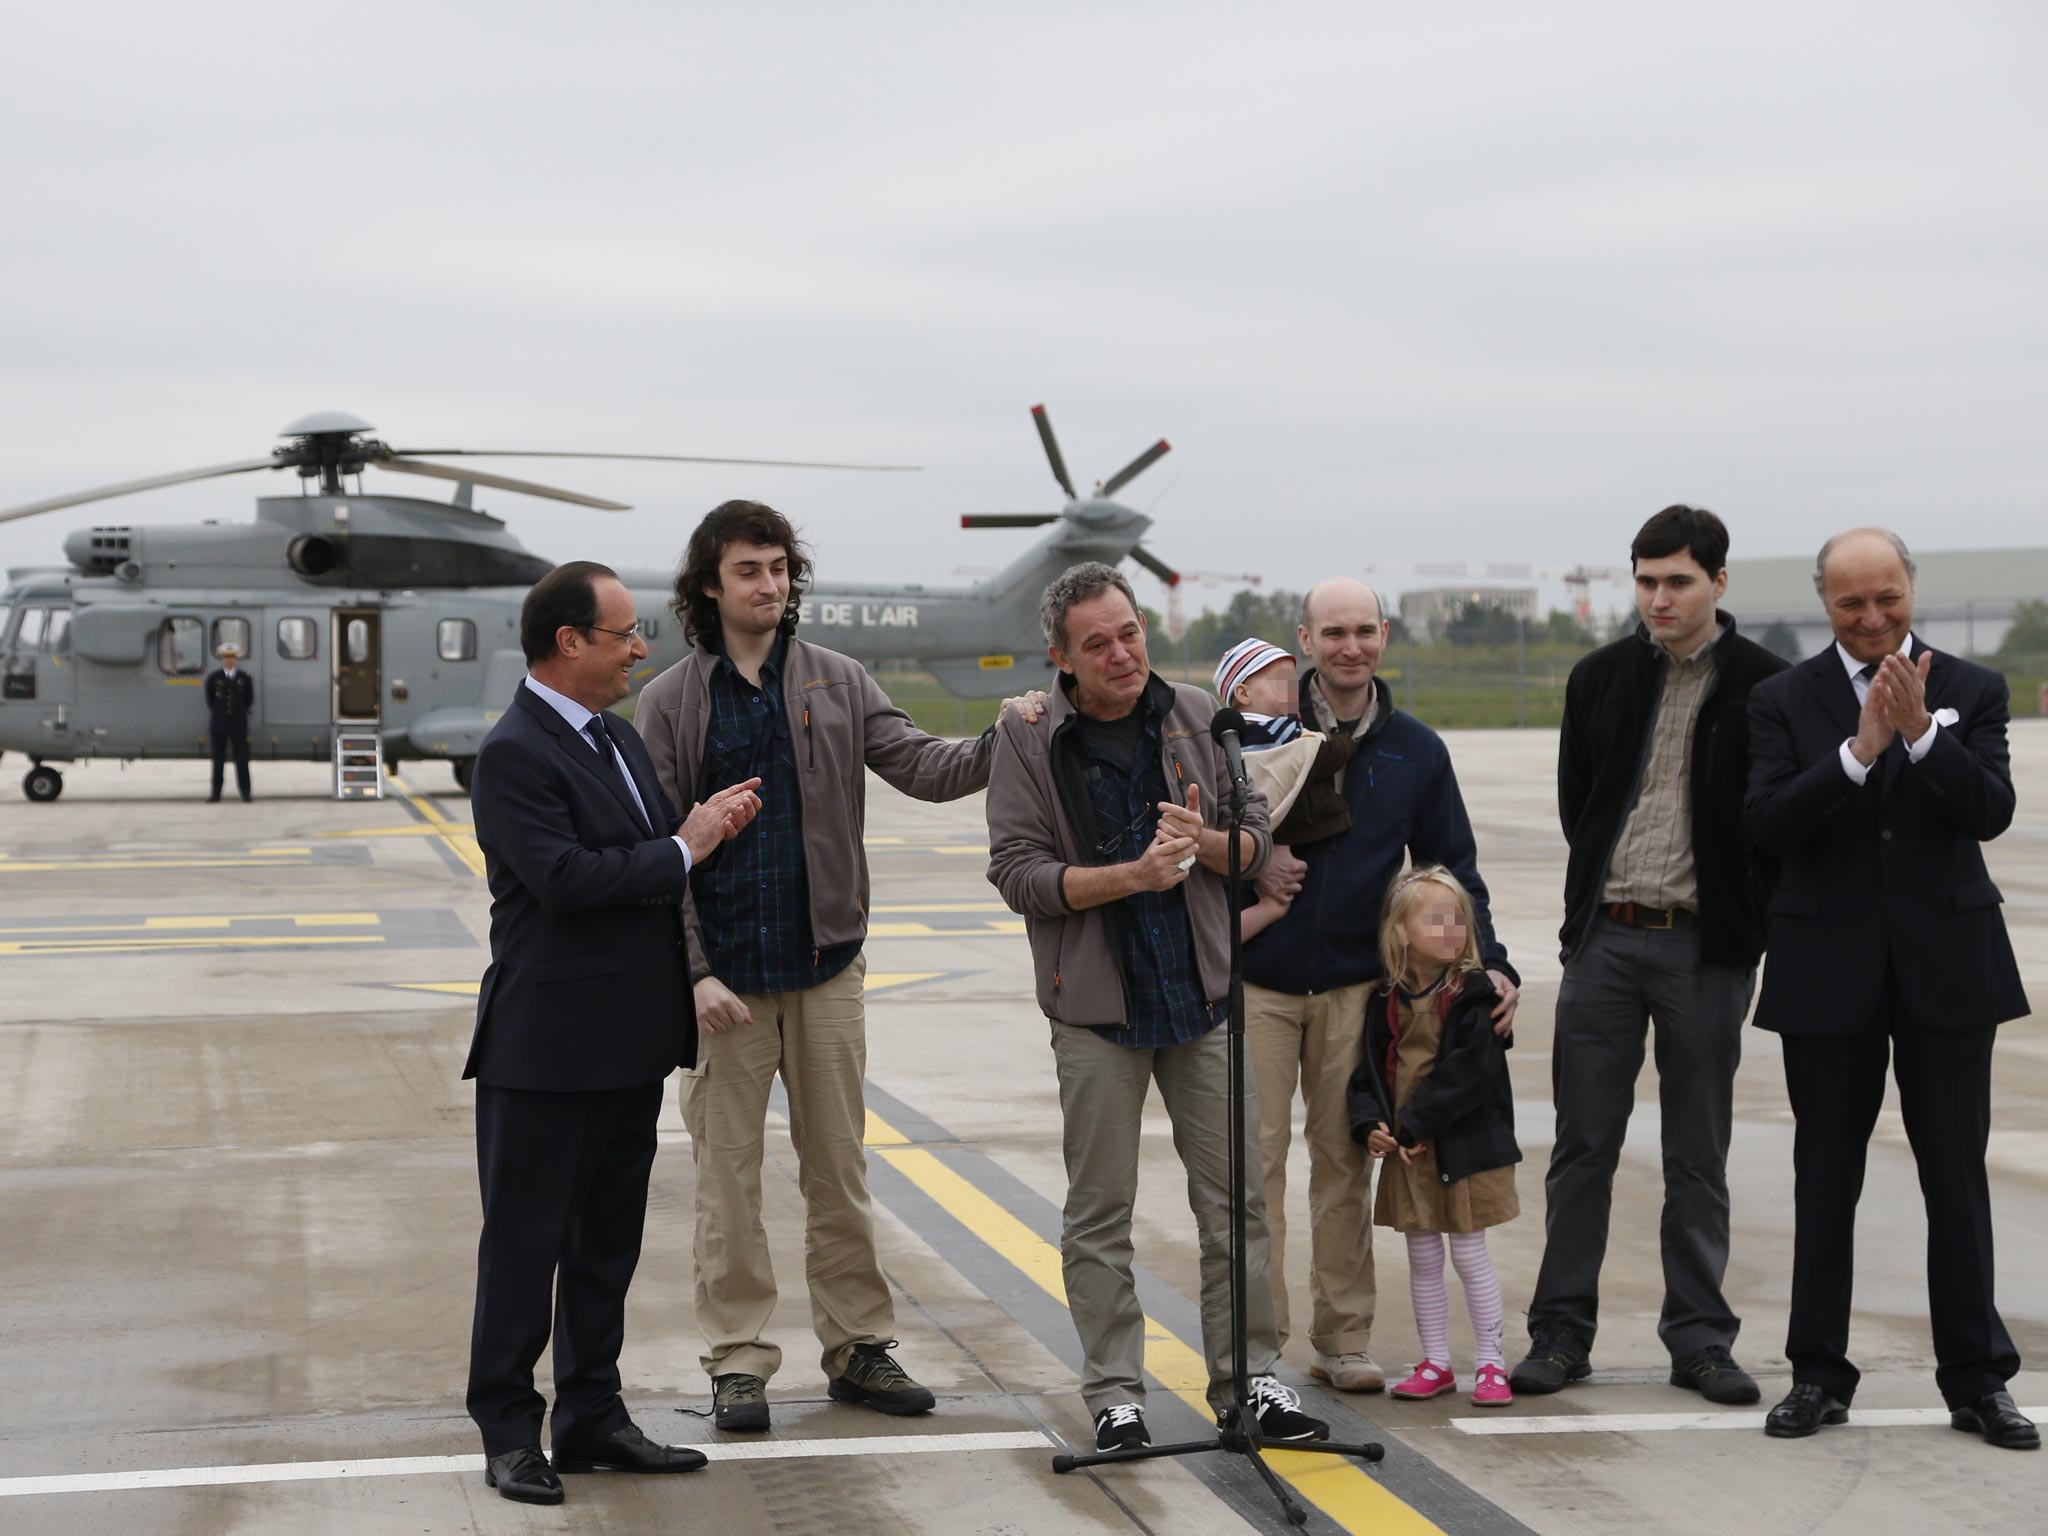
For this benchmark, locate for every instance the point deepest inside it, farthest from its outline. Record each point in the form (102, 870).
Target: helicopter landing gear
(42, 784)
(463, 767)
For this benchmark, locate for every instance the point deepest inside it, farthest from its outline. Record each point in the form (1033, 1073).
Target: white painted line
(1657, 1423)
(417, 1466)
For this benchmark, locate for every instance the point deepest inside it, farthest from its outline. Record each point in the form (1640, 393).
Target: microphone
(1226, 730)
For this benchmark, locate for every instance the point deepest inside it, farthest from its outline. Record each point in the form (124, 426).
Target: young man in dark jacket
(1664, 923)
(1306, 976)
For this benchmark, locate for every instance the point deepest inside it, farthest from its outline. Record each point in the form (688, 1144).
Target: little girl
(1432, 1098)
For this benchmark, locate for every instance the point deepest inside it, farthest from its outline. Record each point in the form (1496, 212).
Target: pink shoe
(1430, 1380)
(1492, 1390)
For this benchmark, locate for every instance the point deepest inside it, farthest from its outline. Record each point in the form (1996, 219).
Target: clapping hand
(1905, 686)
(1874, 727)
(1183, 820)
(725, 815)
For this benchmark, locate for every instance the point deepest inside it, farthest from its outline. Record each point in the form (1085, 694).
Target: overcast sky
(1401, 283)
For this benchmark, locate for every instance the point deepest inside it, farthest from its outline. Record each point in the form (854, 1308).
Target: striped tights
(1432, 1297)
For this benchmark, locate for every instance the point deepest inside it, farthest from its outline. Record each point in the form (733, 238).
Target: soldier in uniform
(230, 695)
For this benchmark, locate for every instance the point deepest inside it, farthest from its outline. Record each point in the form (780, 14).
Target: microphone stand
(1237, 1430)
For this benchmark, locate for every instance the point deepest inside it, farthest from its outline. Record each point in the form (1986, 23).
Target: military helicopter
(382, 629)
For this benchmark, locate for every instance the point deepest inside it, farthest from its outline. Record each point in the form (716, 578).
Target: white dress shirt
(578, 717)
(1915, 750)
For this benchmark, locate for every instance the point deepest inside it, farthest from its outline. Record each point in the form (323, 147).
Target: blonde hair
(1402, 897)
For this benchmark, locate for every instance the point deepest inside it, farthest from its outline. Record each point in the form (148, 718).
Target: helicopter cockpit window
(357, 636)
(6, 613)
(57, 638)
(30, 636)
(456, 639)
(297, 639)
(181, 647)
(233, 632)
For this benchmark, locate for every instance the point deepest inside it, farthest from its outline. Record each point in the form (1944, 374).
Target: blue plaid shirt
(1163, 1002)
(753, 898)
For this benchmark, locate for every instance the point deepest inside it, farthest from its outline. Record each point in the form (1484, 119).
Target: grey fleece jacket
(842, 724)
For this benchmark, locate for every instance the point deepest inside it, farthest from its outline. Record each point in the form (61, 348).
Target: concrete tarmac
(238, 1218)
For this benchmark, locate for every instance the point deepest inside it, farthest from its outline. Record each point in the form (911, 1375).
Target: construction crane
(1176, 619)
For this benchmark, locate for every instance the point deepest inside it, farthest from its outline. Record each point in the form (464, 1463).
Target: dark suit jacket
(230, 698)
(588, 986)
(1889, 874)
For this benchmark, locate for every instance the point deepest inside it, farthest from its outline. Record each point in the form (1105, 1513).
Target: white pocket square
(1946, 717)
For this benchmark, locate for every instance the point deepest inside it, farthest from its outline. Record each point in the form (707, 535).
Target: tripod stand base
(1234, 1441)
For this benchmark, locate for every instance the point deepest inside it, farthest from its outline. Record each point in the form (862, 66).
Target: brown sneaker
(873, 1378)
(1352, 1371)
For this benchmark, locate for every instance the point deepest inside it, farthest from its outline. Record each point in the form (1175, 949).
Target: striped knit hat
(1244, 660)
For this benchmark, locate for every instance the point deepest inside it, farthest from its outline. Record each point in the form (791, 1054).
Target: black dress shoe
(524, 1476)
(1999, 1422)
(1805, 1408)
(626, 1449)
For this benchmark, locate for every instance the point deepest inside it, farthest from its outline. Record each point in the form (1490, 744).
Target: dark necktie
(601, 738)
(1868, 671)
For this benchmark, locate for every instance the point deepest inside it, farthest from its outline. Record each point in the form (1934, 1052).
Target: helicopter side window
(30, 636)
(57, 638)
(298, 639)
(181, 647)
(456, 639)
(233, 632)
(6, 613)
(357, 638)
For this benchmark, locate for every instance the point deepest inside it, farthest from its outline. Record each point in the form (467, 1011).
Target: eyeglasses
(627, 635)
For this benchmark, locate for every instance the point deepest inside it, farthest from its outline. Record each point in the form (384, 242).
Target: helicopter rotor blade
(650, 458)
(130, 487)
(1135, 468)
(1007, 519)
(1155, 565)
(1052, 450)
(499, 482)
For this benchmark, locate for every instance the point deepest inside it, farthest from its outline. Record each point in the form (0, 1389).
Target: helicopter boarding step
(358, 763)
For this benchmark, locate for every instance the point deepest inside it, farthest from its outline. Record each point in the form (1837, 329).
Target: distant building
(1962, 599)
(1425, 612)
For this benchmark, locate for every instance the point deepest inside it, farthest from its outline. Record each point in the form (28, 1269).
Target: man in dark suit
(1878, 771)
(583, 1013)
(230, 695)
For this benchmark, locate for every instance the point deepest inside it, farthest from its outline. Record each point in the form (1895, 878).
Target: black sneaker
(1713, 1373)
(739, 1401)
(1553, 1361)
(872, 1377)
(1278, 1411)
(1121, 1428)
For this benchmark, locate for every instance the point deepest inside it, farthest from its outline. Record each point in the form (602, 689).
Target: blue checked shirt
(1163, 1002)
(753, 898)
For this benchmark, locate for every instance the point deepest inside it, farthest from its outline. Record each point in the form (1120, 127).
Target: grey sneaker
(739, 1401)
(873, 1378)
(1352, 1371)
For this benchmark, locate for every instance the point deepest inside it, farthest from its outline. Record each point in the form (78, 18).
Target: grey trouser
(1621, 981)
(1102, 1100)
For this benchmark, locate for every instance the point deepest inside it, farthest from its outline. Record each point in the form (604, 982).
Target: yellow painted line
(237, 861)
(880, 1133)
(926, 931)
(460, 838)
(298, 919)
(1334, 1484)
(412, 829)
(875, 981)
(946, 906)
(109, 946)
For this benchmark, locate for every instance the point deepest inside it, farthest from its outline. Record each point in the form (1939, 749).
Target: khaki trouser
(1102, 1102)
(1315, 1041)
(817, 1039)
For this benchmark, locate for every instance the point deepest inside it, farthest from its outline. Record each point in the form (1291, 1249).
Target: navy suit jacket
(1888, 874)
(588, 986)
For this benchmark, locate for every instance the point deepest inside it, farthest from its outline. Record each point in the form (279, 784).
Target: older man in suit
(1878, 772)
(583, 1013)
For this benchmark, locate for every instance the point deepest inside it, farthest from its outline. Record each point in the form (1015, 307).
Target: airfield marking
(458, 837)
(139, 946)
(1344, 1492)
(299, 919)
(416, 1466)
(875, 982)
(1664, 1423)
(250, 860)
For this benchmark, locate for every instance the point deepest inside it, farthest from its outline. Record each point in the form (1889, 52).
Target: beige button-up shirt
(1652, 863)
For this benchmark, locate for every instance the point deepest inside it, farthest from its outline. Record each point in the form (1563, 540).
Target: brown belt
(1637, 916)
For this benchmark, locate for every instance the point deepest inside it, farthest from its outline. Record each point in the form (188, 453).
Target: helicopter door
(358, 663)
(36, 671)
